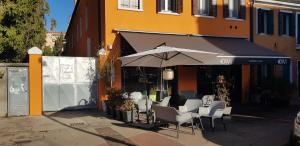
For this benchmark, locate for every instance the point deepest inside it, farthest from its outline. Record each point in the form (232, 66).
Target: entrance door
(18, 103)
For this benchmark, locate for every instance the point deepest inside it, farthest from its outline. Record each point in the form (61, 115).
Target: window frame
(287, 29)
(202, 15)
(167, 7)
(265, 19)
(229, 4)
(131, 9)
(297, 30)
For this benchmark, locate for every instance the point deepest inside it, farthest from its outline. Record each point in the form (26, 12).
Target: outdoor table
(198, 116)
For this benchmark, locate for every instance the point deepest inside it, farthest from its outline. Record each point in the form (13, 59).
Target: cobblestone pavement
(91, 128)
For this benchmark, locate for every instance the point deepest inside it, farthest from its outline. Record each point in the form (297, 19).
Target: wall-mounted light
(101, 52)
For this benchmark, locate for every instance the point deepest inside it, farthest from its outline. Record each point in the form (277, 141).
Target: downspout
(251, 21)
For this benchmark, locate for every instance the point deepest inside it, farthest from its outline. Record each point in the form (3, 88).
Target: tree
(21, 27)
(53, 24)
(58, 45)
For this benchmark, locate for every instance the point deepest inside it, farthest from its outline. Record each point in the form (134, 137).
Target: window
(265, 21)
(286, 24)
(298, 30)
(234, 9)
(205, 7)
(130, 4)
(169, 6)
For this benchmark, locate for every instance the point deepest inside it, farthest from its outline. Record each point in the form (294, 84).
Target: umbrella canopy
(165, 56)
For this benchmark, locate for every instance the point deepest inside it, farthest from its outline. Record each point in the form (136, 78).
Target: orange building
(276, 26)
(123, 27)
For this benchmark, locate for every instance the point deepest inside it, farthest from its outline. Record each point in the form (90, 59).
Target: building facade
(277, 27)
(117, 25)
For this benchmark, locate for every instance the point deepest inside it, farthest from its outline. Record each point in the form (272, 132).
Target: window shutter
(259, 20)
(213, 8)
(225, 9)
(158, 5)
(280, 23)
(179, 6)
(242, 9)
(292, 25)
(195, 7)
(270, 22)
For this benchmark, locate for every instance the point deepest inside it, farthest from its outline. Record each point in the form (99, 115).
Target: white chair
(142, 108)
(165, 101)
(171, 115)
(214, 111)
(191, 105)
(207, 100)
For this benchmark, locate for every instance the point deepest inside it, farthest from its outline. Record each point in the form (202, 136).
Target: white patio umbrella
(165, 56)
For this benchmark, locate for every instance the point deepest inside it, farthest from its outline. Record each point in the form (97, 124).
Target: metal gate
(18, 102)
(69, 83)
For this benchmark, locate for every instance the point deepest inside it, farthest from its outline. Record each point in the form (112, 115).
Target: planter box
(118, 115)
(128, 116)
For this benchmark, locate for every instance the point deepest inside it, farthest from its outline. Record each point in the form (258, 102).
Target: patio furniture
(142, 107)
(207, 100)
(191, 105)
(165, 102)
(171, 115)
(213, 112)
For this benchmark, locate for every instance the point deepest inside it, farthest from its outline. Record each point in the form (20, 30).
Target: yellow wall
(149, 20)
(283, 44)
(35, 85)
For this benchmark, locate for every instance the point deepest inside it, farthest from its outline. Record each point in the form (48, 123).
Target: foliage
(21, 27)
(114, 98)
(58, 46)
(105, 73)
(53, 24)
(127, 105)
(222, 89)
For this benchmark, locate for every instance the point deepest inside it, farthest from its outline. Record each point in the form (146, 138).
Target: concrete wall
(3, 92)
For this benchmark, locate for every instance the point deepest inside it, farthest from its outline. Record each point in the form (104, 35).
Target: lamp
(168, 74)
(101, 52)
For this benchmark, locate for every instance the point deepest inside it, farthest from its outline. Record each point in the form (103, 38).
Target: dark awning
(231, 50)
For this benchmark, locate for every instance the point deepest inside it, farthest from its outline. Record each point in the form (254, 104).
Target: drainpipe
(251, 20)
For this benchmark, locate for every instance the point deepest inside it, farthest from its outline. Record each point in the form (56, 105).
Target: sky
(61, 11)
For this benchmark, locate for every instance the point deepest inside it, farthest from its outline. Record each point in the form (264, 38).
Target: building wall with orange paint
(35, 85)
(283, 44)
(149, 20)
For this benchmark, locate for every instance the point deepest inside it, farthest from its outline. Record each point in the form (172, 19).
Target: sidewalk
(90, 128)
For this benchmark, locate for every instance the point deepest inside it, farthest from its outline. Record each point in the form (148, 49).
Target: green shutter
(195, 7)
(280, 23)
(213, 8)
(270, 22)
(179, 6)
(292, 24)
(259, 20)
(242, 9)
(225, 9)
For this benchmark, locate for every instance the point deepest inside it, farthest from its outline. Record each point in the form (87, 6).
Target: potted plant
(128, 110)
(114, 102)
(222, 92)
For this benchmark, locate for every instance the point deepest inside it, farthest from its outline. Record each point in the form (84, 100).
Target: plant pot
(128, 116)
(113, 113)
(118, 114)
